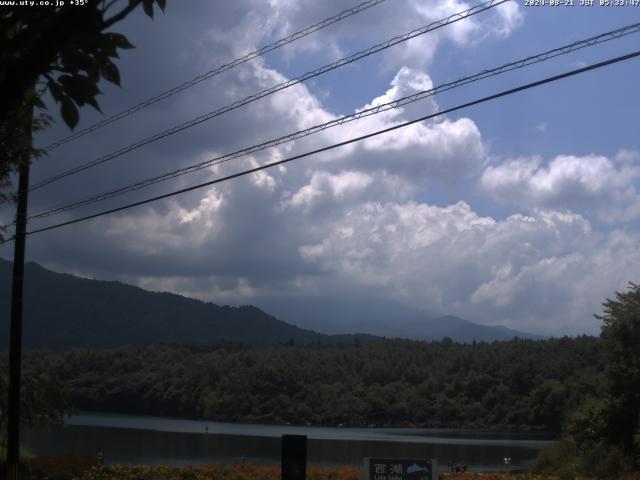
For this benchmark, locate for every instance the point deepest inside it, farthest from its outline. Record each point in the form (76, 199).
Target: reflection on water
(150, 440)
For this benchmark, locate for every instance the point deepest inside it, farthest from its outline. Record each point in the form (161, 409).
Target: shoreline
(503, 430)
(313, 433)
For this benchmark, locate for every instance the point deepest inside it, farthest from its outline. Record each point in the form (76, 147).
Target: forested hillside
(522, 383)
(63, 311)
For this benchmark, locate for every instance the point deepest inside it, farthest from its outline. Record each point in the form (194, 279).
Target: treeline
(521, 383)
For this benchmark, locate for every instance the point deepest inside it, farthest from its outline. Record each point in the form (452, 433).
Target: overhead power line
(12, 237)
(252, 98)
(216, 71)
(531, 60)
(346, 142)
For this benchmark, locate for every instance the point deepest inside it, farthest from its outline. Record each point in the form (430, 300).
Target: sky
(522, 211)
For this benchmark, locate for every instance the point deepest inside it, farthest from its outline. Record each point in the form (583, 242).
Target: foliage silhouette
(64, 51)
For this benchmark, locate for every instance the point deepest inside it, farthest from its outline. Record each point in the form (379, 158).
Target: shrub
(604, 461)
(63, 467)
(557, 458)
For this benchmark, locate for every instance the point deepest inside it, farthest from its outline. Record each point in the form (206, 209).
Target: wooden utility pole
(15, 337)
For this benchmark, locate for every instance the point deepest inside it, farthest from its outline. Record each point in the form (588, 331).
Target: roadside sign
(294, 457)
(400, 469)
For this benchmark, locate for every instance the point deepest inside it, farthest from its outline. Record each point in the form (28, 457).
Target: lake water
(131, 440)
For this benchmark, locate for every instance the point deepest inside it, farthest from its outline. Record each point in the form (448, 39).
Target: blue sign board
(400, 469)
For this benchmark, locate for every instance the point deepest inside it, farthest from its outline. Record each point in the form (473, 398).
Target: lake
(129, 440)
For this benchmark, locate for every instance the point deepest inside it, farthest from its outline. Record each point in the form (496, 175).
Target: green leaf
(80, 88)
(56, 91)
(162, 4)
(94, 103)
(94, 73)
(39, 103)
(69, 112)
(74, 59)
(106, 46)
(119, 40)
(110, 72)
(147, 5)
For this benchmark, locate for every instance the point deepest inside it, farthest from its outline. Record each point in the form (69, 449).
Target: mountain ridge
(98, 313)
(64, 311)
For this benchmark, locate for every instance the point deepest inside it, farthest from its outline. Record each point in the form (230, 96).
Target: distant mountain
(63, 311)
(386, 319)
(341, 315)
(462, 330)
(424, 327)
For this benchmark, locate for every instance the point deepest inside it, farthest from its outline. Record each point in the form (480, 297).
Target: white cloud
(510, 17)
(585, 183)
(418, 52)
(177, 226)
(544, 272)
(323, 184)
(438, 149)
(406, 82)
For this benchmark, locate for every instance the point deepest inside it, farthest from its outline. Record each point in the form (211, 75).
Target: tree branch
(122, 14)
(108, 5)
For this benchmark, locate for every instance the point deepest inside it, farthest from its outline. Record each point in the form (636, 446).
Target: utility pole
(15, 338)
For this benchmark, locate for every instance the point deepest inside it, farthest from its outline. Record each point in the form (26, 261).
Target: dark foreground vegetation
(76, 467)
(522, 383)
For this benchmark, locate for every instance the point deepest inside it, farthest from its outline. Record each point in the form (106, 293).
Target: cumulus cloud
(361, 218)
(327, 191)
(532, 272)
(437, 149)
(584, 183)
(418, 52)
(440, 149)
